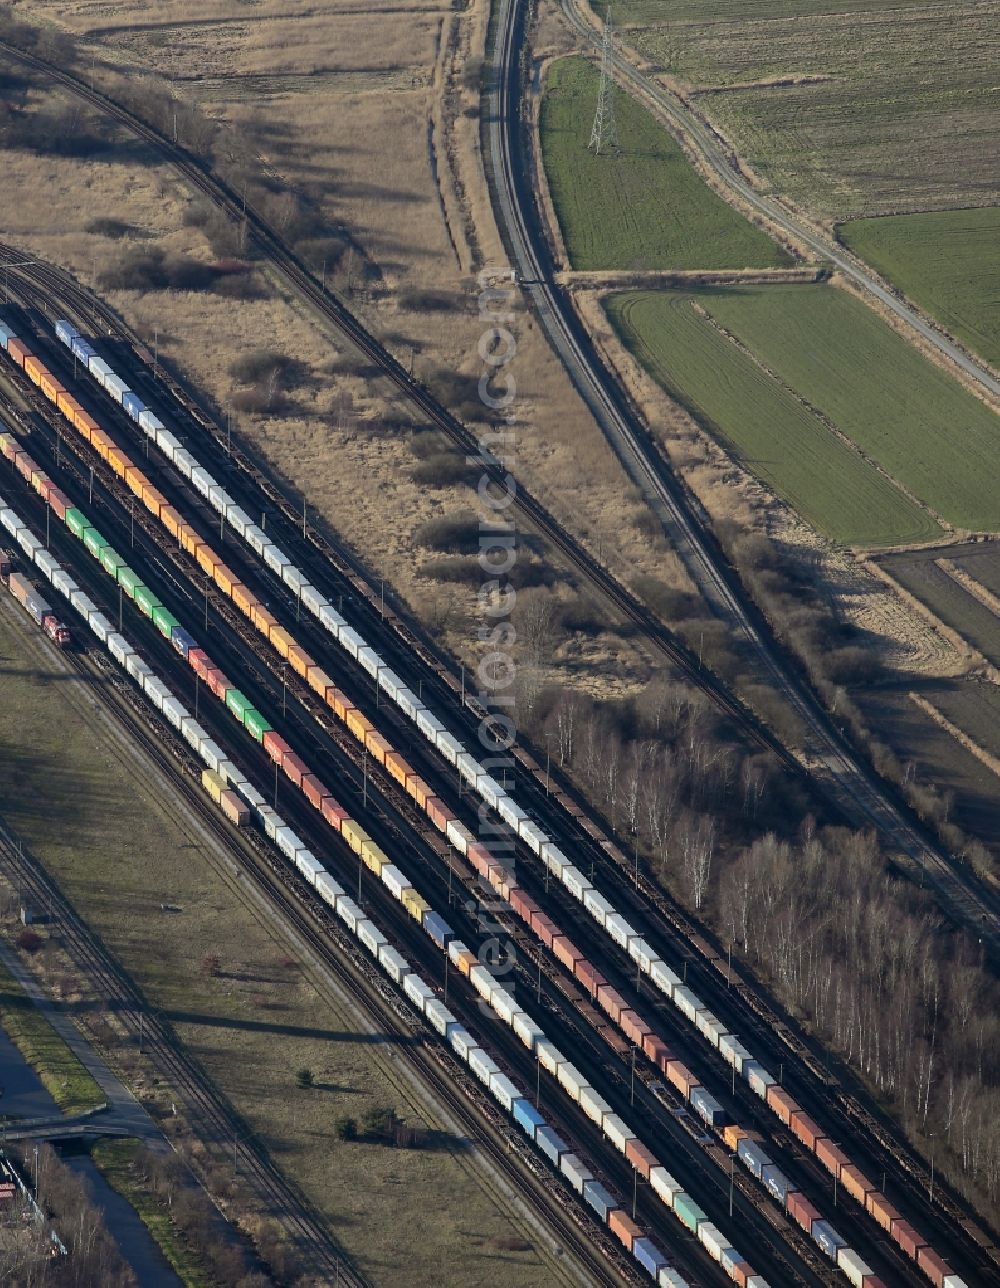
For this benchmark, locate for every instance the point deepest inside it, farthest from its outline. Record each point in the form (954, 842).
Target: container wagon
(38, 609)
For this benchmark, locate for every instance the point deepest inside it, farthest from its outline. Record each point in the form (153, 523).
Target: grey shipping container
(777, 1182)
(752, 1157)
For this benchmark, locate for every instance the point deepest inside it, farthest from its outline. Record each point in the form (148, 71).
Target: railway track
(858, 1116)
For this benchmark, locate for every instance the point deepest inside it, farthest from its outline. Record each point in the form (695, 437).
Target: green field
(645, 208)
(947, 599)
(762, 422)
(881, 106)
(947, 262)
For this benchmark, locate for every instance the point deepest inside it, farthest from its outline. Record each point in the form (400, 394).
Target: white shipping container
(459, 835)
(136, 667)
(572, 1079)
(665, 1185)
(100, 625)
(271, 821)
(954, 1281)
(350, 640)
(275, 557)
(394, 880)
(758, 1077)
(593, 1105)
(527, 1030)
(854, 1266)
(490, 790)
(455, 950)
(313, 599)
(449, 746)
(575, 882)
(549, 1055)
(308, 865)
(370, 661)
(503, 1003)
(483, 1065)
(46, 562)
(619, 929)
(482, 981)
(710, 1026)
(664, 978)
(553, 858)
(463, 1042)
(173, 710)
(288, 842)
(202, 481)
(469, 767)
(617, 1131)
(511, 813)
(194, 734)
(331, 620)
(596, 904)
(389, 682)
(428, 724)
(670, 1278)
(328, 887)
(63, 582)
(408, 702)
(251, 795)
(255, 538)
(576, 1171)
(119, 647)
(169, 444)
(504, 1091)
(712, 1239)
(238, 520)
(417, 991)
(393, 963)
(532, 835)
(185, 462)
(439, 1016)
(688, 1003)
(349, 913)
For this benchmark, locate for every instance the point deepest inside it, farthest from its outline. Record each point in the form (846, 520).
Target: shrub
(304, 1079)
(346, 1128)
(30, 940)
(442, 469)
(457, 534)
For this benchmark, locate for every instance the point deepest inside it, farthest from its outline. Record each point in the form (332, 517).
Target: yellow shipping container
(212, 784)
(358, 724)
(415, 904)
(466, 960)
(354, 834)
(373, 857)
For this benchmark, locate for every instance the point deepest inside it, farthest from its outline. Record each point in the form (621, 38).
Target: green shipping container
(164, 621)
(239, 704)
(145, 600)
(128, 579)
(688, 1211)
(77, 522)
(111, 561)
(94, 542)
(256, 725)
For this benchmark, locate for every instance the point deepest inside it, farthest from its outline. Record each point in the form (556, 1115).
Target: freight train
(433, 729)
(33, 603)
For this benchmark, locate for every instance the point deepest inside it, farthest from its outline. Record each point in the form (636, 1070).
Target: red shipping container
(622, 1225)
(933, 1265)
(199, 662)
(681, 1076)
(634, 1027)
(881, 1209)
(908, 1239)
(314, 791)
(334, 813)
(219, 683)
(781, 1102)
(806, 1129)
(590, 977)
(801, 1210)
(611, 1001)
(544, 927)
(855, 1183)
(641, 1158)
(439, 813)
(275, 745)
(831, 1156)
(523, 904)
(655, 1048)
(294, 767)
(59, 501)
(566, 951)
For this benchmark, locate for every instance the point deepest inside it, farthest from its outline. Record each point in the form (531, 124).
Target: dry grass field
(849, 109)
(81, 802)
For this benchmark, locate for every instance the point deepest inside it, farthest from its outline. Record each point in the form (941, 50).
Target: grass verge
(644, 208)
(116, 1160)
(946, 262)
(64, 1077)
(763, 422)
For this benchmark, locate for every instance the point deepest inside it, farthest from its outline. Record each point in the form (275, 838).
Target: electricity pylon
(604, 135)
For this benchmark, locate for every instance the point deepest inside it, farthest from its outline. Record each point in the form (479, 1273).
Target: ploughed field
(945, 261)
(953, 602)
(644, 208)
(826, 404)
(848, 108)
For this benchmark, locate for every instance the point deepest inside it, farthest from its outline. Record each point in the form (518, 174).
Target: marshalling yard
(398, 970)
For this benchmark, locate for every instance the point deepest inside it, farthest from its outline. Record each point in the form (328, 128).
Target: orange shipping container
(881, 1209)
(622, 1225)
(68, 405)
(281, 640)
(378, 746)
(18, 351)
(418, 789)
(235, 809)
(341, 704)
(318, 681)
(781, 1102)
(51, 387)
(732, 1135)
(34, 368)
(358, 724)
(300, 660)
(101, 443)
(171, 520)
(207, 558)
(153, 499)
(190, 541)
(566, 951)
(439, 813)
(86, 424)
(398, 767)
(118, 460)
(466, 960)
(641, 1158)
(855, 1183)
(262, 618)
(243, 598)
(225, 578)
(136, 480)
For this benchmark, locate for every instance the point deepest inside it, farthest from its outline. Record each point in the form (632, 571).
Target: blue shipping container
(550, 1144)
(649, 1256)
(828, 1238)
(6, 334)
(133, 404)
(777, 1182)
(599, 1199)
(182, 641)
(707, 1107)
(752, 1157)
(66, 331)
(438, 929)
(527, 1116)
(730, 1260)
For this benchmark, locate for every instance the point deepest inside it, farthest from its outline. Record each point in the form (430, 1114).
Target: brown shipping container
(294, 767)
(933, 1265)
(590, 977)
(781, 1102)
(334, 813)
(908, 1239)
(732, 1135)
(219, 683)
(633, 1026)
(622, 1225)
(544, 927)
(313, 790)
(656, 1049)
(855, 1183)
(741, 1273)
(641, 1158)
(881, 1209)
(235, 809)
(480, 858)
(611, 1002)
(439, 813)
(801, 1210)
(681, 1076)
(566, 951)
(831, 1155)
(806, 1129)
(523, 904)
(18, 351)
